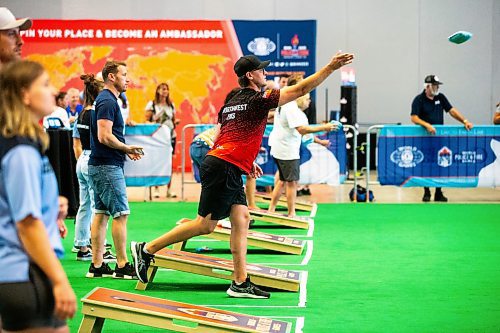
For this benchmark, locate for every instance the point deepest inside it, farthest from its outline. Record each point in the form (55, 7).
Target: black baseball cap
(249, 63)
(432, 79)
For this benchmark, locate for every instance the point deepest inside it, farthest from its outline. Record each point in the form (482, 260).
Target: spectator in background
(62, 100)
(74, 107)
(283, 80)
(125, 109)
(290, 124)
(58, 113)
(496, 117)
(11, 43)
(310, 113)
(427, 110)
(161, 110)
(35, 294)
(81, 147)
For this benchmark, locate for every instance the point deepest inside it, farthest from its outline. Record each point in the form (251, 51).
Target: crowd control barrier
(319, 164)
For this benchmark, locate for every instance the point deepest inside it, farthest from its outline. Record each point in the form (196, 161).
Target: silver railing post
(183, 155)
(355, 150)
(368, 132)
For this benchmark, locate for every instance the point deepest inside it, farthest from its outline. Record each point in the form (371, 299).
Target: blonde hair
(15, 117)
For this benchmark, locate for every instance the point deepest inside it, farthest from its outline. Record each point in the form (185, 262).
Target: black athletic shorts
(289, 169)
(221, 187)
(29, 304)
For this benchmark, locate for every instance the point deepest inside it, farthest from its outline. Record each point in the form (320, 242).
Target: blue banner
(453, 157)
(289, 45)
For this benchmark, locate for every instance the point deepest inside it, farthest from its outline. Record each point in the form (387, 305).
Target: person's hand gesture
(135, 153)
(256, 171)
(341, 59)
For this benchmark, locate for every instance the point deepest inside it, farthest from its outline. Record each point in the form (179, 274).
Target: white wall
(397, 43)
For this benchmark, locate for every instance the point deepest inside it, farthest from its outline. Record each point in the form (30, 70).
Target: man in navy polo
(427, 110)
(106, 174)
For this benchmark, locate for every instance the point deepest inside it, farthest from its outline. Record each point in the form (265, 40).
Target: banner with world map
(195, 58)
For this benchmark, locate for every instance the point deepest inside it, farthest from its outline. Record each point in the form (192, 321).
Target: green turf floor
(374, 268)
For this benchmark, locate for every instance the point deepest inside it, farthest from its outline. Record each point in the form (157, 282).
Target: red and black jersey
(243, 121)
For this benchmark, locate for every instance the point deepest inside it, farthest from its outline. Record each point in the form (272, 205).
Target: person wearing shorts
(290, 123)
(35, 293)
(241, 123)
(106, 175)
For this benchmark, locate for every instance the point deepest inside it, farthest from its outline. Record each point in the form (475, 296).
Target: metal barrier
(183, 155)
(368, 132)
(355, 157)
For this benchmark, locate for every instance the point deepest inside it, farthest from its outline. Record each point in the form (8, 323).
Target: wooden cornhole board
(301, 222)
(258, 239)
(306, 206)
(220, 268)
(102, 303)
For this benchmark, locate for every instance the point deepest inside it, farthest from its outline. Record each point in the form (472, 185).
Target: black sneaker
(439, 197)
(246, 290)
(426, 197)
(84, 256)
(107, 247)
(108, 257)
(142, 260)
(126, 272)
(103, 271)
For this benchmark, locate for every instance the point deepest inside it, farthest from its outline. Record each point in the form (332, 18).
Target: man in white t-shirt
(290, 124)
(58, 113)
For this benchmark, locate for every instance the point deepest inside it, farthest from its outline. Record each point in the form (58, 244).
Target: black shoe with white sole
(142, 260)
(98, 272)
(246, 290)
(126, 272)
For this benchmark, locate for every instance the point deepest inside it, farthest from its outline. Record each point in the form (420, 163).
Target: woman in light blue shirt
(34, 290)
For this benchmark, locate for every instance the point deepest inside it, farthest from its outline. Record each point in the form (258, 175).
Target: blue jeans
(198, 150)
(84, 215)
(110, 192)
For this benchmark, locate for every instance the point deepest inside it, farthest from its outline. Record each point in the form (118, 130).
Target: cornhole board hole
(102, 303)
(303, 205)
(258, 239)
(301, 222)
(220, 268)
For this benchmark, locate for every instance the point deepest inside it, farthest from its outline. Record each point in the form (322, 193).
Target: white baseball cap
(8, 21)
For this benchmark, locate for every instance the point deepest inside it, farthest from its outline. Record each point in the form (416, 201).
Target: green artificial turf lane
(374, 268)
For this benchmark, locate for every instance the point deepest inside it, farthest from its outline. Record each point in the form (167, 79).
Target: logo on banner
(468, 157)
(407, 156)
(294, 51)
(261, 46)
(445, 157)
